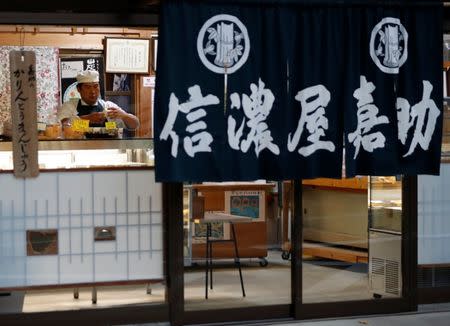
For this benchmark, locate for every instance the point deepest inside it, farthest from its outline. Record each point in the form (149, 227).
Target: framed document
(127, 55)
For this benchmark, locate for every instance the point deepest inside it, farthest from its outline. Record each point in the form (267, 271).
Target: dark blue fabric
(294, 48)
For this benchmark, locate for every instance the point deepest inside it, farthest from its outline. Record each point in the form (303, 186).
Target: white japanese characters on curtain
(253, 99)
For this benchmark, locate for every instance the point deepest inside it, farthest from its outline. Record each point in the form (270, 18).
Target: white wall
(434, 218)
(74, 203)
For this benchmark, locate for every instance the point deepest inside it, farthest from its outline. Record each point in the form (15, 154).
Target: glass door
(385, 237)
(229, 263)
(351, 239)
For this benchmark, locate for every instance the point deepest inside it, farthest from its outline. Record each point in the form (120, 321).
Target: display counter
(86, 154)
(87, 144)
(92, 216)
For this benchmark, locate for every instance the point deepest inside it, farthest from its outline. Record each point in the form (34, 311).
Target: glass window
(352, 239)
(433, 229)
(87, 232)
(64, 52)
(233, 250)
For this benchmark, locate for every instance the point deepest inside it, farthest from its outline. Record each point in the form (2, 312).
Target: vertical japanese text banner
(24, 113)
(220, 106)
(393, 110)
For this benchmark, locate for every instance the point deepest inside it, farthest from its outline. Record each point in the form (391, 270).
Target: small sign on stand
(24, 113)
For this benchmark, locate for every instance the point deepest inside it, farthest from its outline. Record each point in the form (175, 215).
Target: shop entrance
(352, 239)
(229, 261)
(350, 234)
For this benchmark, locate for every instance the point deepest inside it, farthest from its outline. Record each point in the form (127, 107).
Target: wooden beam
(86, 19)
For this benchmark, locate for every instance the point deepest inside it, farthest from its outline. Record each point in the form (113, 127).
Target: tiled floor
(323, 281)
(271, 285)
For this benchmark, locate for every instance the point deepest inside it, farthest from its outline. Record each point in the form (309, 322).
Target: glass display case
(385, 236)
(385, 204)
(86, 154)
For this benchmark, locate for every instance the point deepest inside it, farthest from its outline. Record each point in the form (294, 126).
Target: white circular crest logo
(389, 45)
(223, 44)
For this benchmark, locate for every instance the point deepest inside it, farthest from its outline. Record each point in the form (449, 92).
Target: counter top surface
(135, 143)
(92, 168)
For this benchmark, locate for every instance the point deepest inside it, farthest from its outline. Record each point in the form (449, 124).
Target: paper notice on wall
(24, 113)
(70, 69)
(148, 81)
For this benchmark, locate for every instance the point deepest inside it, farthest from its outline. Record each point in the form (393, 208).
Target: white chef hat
(88, 76)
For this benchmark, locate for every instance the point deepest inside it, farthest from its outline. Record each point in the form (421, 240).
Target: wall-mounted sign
(70, 69)
(71, 66)
(128, 55)
(24, 113)
(241, 96)
(148, 81)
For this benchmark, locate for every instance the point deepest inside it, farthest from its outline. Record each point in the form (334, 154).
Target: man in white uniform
(91, 107)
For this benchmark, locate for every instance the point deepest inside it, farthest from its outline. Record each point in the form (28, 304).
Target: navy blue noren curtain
(279, 91)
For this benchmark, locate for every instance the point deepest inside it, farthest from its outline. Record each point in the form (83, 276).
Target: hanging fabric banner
(282, 90)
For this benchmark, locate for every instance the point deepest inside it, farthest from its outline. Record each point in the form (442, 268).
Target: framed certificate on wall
(127, 55)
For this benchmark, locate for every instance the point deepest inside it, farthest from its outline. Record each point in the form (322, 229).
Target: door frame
(299, 310)
(408, 301)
